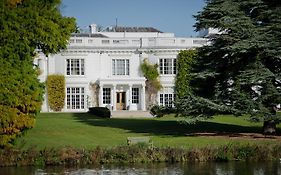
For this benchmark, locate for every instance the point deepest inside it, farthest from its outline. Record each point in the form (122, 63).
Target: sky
(175, 16)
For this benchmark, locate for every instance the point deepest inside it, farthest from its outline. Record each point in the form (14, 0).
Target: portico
(122, 94)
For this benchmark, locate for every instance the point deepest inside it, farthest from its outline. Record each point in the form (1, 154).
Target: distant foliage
(56, 91)
(185, 60)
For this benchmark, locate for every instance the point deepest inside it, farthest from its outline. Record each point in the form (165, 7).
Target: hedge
(103, 112)
(56, 91)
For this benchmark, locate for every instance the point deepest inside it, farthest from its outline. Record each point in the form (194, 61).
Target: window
(167, 66)
(136, 42)
(120, 41)
(75, 67)
(105, 41)
(106, 96)
(167, 99)
(75, 98)
(135, 95)
(120, 66)
(78, 40)
(200, 42)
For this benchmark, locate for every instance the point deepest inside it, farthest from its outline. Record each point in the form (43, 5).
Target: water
(209, 168)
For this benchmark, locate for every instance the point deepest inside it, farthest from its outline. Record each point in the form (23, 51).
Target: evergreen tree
(240, 71)
(26, 26)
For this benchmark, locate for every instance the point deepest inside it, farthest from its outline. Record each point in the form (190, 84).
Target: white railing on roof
(136, 42)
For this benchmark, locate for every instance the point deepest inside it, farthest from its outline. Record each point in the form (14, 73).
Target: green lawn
(82, 130)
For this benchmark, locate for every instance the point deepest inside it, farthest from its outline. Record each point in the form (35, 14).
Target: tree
(239, 72)
(26, 26)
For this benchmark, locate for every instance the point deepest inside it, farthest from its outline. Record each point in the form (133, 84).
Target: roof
(135, 29)
(93, 35)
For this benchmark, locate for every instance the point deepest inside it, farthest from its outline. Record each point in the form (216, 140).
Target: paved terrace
(131, 114)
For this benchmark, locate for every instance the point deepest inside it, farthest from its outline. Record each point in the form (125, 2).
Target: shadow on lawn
(162, 127)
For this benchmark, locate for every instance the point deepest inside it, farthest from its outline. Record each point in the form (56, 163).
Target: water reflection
(207, 168)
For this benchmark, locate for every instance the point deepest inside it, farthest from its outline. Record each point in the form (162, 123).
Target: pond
(205, 168)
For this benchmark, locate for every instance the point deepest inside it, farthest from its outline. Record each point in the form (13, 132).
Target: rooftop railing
(136, 42)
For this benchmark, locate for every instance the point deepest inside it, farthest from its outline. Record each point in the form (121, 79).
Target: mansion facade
(102, 68)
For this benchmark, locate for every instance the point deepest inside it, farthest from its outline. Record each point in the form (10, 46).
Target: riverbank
(139, 153)
(83, 139)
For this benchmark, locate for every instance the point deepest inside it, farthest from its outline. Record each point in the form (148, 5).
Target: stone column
(143, 98)
(114, 97)
(130, 97)
(101, 96)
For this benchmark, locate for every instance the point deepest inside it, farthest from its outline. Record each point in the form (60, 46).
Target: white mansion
(102, 68)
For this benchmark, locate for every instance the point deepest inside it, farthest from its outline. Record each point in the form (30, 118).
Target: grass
(81, 130)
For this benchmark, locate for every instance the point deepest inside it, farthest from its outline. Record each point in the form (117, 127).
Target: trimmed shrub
(157, 111)
(103, 112)
(160, 111)
(56, 91)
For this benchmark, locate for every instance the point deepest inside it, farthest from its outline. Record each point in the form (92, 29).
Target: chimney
(93, 28)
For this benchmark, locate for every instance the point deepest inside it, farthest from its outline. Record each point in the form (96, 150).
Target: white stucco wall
(98, 55)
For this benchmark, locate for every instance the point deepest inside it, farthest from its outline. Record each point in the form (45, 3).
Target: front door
(121, 100)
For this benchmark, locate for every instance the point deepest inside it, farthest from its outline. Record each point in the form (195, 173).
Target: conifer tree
(240, 71)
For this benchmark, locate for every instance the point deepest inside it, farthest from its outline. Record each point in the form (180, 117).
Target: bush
(160, 111)
(56, 91)
(103, 112)
(157, 111)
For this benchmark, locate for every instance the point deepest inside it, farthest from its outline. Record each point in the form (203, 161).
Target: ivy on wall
(153, 85)
(56, 92)
(185, 60)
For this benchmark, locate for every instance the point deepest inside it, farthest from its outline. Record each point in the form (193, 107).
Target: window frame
(167, 66)
(135, 95)
(120, 67)
(75, 67)
(106, 95)
(75, 98)
(167, 99)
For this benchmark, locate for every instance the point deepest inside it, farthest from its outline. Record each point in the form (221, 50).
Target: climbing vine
(95, 94)
(153, 85)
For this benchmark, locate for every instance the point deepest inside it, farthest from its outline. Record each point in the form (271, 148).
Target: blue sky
(166, 15)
